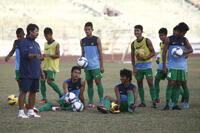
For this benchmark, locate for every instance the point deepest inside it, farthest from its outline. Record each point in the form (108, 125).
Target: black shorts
(29, 85)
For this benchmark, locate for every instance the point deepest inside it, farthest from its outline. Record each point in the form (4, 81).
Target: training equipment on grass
(77, 106)
(140, 52)
(12, 99)
(177, 52)
(82, 62)
(70, 97)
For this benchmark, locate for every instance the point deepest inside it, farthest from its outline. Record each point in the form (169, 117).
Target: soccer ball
(140, 52)
(77, 106)
(177, 52)
(82, 62)
(70, 97)
(12, 99)
(158, 57)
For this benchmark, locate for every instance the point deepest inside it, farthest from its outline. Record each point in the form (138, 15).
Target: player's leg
(186, 90)
(131, 101)
(106, 104)
(51, 82)
(139, 77)
(48, 106)
(43, 89)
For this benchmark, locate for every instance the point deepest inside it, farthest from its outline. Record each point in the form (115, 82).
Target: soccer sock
(45, 107)
(173, 95)
(43, 89)
(90, 93)
(157, 89)
(67, 107)
(186, 95)
(100, 91)
(141, 94)
(168, 94)
(55, 88)
(152, 93)
(181, 92)
(25, 101)
(130, 99)
(176, 94)
(106, 103)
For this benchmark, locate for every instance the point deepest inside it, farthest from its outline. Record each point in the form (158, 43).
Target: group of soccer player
(29, 72)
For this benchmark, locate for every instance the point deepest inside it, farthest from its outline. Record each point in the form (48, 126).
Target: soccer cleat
(131, 109)
(142, 105)
(90, 105)
(158, 101)
(102, 109)
(33, 115)
(55, 108)
(101, 103)
(114, 108)
(43, 101)
(154, 105)
(171, 105)
(186, 105)
(182, 99)
(35, 110)
(176, 108)
(22, 115)
(166, 108)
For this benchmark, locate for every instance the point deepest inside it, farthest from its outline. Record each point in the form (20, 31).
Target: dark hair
(48, 30)
(31, 27)
(19, 31)
(182, 27)
(76, 68)
(139, 27)
(163, 31)
(127, 73)
(175, 28)
(89, 24)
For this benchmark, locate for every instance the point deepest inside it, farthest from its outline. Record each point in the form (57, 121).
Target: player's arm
(11, 52)
(81, 96)
(117, 95)
(164, 54)
(133, 59)
(65, 87)
(57, 55)
(151, 49)
(42, 73)
(100, 54)
(82, 49)
(188, 49)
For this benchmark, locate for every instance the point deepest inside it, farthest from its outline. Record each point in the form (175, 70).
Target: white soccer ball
(158, 57)
(77, 106)
(82, 62)
(70, 97)
(177, 52)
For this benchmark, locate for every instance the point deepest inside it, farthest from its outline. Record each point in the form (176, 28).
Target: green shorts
(62, 103)
(50, 74)
(147, 72)
(123, 106)
(92, 74)
(176, 75)
(16, 74)
(160, 75)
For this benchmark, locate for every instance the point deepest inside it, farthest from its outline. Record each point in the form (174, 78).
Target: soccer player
(92, 50)
(176, 70)
(142, 66)
(29, 71)
(126, 95)
(74, 84)
(159, 74)
(50, 64)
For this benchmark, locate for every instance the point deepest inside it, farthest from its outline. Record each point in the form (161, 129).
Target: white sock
(21, 111)
(30, 111)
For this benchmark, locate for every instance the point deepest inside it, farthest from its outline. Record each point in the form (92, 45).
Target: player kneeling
(126, 95)
(75, 85)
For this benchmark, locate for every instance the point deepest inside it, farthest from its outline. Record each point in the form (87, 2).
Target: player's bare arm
(82, 50)
(165, 48)
(42, 73)
(188, 48)
(81, 96)
(100, 54)
(57, 55)
(117, 95)
(133, 59)
(10, 53)
(65, 87)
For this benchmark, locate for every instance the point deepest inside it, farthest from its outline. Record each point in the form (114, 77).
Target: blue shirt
(124, 91)
(91, 52)
(17, 58)
(143, 66)
(29, 68)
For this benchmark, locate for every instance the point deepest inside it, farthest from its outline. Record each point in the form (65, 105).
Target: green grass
(142, 120)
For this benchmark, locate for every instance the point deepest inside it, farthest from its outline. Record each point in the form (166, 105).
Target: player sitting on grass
(74, 84)
(126, 95)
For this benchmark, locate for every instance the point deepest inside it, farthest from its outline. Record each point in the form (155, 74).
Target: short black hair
(19, 31)
(175, 28)
(89, 24)
(139, 27)
(47, 31)
(127, 73)
(163, 31)
(76, 68)
(182, 27)
(31, 27)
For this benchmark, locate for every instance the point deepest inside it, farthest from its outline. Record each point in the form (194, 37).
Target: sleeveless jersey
(160, 66)
(74, 87)
(124, 91)
(17, 58)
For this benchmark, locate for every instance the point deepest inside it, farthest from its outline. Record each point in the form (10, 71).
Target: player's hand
(186, 56)
(46, 55)
(42, 75)
(135, 71)
(7, 58)
(164, 69)
(40, 57)
(102, 70)
(141, 58)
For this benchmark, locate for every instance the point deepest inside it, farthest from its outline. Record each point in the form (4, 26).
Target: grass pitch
(142, 120)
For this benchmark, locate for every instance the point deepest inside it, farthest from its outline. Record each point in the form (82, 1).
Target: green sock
(45, 107)
(157, 89)
(90, 93)
(25, 101)
(176, 94)
(67, 107)
(168, 94)
(152, 93)
(186, 95)
(106, 103)
(130, 99)
(43, 89)
(55, 88)
(100, 91)
(173, 95)
(181, 92)
(141, 94)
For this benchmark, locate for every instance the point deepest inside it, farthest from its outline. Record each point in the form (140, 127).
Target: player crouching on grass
(126, 95)
(74, 84)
